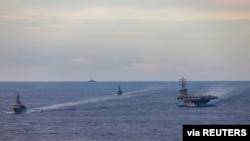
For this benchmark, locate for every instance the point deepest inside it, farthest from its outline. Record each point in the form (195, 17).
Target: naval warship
(91, 80)
(193, 100)
(18, 107)
(119, 92)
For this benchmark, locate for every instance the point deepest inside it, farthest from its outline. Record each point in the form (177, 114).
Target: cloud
(80, 61)
(146, 67)
(111, 13)
(143, 38)
(233, 2)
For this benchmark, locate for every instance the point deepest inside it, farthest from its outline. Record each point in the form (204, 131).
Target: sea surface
(91, 111)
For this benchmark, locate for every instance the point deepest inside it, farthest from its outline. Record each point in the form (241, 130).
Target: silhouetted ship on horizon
(119, 92)
(91, 80)
(193, 100)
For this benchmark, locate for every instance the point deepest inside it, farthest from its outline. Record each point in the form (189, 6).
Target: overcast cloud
(123, 40)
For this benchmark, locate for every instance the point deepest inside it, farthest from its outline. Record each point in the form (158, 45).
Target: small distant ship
(18, 107)
(91, 80)
(119, 92)
(193, 100)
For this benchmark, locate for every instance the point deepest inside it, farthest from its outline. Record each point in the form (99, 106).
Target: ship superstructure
(193, 100)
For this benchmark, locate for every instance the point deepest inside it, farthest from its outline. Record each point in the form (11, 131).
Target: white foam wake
(225, 92)
(93, 100)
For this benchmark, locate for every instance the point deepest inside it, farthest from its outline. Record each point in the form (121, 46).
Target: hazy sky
(123, 40)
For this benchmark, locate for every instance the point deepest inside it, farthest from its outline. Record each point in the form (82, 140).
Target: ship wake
(225, 91)
(67, 105)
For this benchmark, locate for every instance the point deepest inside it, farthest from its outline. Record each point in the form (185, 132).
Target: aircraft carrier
(193, 100)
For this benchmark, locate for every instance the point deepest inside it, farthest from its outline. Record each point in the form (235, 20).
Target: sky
(124, 40)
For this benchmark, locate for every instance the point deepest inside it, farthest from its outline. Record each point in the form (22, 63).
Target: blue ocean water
(84, 111)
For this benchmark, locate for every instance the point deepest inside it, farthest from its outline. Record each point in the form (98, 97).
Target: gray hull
(19, 108)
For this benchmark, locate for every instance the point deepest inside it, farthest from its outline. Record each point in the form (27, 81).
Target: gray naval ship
(18, 107)
(119, 92)
(193, 100)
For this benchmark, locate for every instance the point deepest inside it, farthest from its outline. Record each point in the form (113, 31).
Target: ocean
(91, 111)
